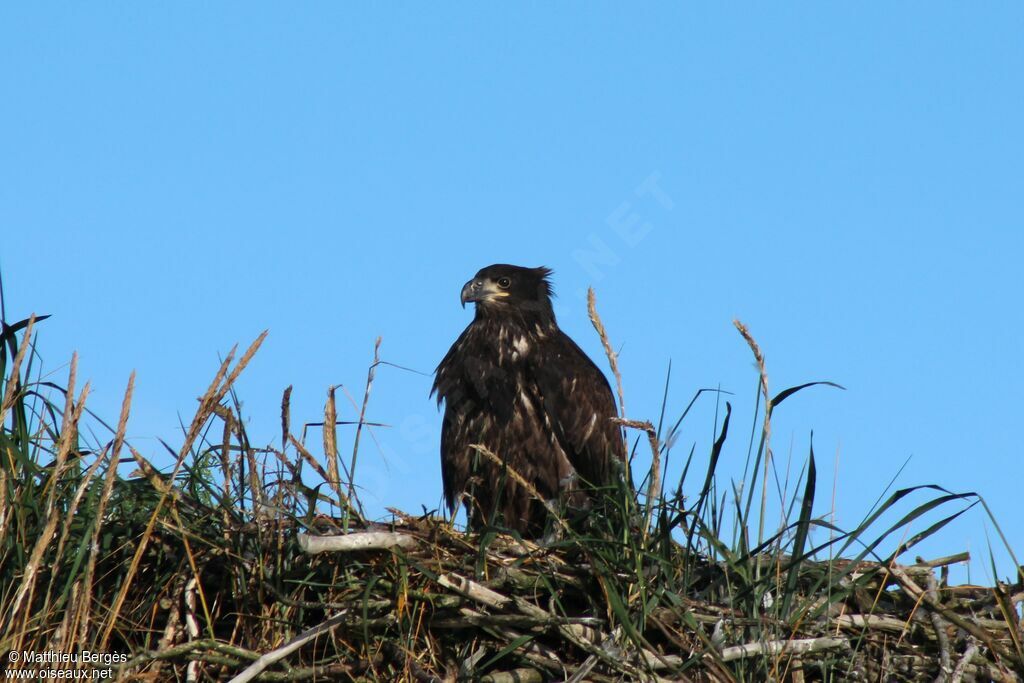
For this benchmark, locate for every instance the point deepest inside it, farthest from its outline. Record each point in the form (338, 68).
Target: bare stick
(940, 629)
(915, 592)
(346, 543)
(266, 659)
(473, 590)
(778, 647)
(858, 622)
(961, 666)
(944, 561)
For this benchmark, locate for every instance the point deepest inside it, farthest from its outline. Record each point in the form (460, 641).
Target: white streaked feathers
(590, 427)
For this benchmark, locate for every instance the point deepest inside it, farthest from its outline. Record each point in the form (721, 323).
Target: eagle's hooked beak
(480, 290)
(471, 291)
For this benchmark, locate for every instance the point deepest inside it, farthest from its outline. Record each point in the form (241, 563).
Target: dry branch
(364, 540)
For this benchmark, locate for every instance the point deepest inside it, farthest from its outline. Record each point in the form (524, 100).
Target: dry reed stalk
(286, 417)
(370, 373)
(198, 585)
(207, 404)
(5, 512)
(330, 433)
(242, 363)
(333, 483)
(766, 430)
(213, 396)
(521, 480)
(286, 427)
(256, 478)
(65, 632)
(613, 358)
(15, 381)
(654, 487)
(69, 516)
(81, 607)
(150, 473)
(225, 468)
(69, 426)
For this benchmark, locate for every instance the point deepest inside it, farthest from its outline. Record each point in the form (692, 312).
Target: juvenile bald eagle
(517, 385)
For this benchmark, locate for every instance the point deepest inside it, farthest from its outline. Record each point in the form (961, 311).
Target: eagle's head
(504, 289)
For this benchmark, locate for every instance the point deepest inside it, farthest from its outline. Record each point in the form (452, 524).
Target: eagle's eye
(504, 282)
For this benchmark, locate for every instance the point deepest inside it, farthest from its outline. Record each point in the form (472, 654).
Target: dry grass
(208, 572)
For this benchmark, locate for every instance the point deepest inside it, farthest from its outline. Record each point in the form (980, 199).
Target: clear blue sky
(847, 180)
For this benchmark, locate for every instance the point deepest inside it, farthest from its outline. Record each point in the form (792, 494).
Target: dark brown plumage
(516, 384)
